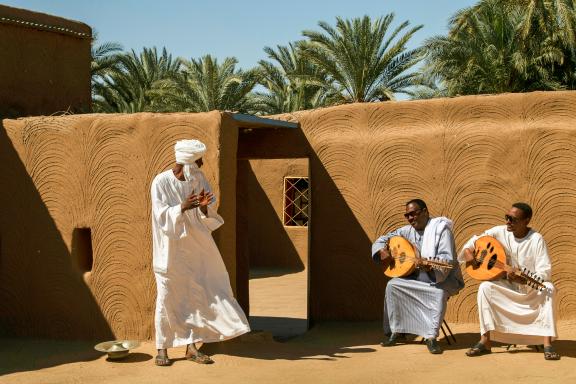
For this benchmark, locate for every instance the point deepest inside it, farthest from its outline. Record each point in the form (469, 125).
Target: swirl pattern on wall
(469, 158)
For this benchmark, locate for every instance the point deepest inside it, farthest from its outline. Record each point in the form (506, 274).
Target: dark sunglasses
(511, 219)
(413, 213)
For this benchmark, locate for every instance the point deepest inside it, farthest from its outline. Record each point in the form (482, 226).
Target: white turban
(187, 152)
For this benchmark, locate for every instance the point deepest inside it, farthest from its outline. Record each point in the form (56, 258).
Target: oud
(490, 264)
(405, 259)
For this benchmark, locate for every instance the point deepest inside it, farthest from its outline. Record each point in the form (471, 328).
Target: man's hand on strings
(385, 254)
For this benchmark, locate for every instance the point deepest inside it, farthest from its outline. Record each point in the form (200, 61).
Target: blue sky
(233, 28)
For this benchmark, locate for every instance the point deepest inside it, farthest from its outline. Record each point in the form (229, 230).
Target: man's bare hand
(191, 201)
(469, 255)
(205, 198)
(385, 254)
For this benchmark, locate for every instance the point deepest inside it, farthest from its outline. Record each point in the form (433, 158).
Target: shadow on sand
(566, 348)
(20, 355)
(327, 342)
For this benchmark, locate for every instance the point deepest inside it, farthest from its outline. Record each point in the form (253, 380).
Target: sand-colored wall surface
(260, 206)
(469, 158)
(86, 171)
(45, 66)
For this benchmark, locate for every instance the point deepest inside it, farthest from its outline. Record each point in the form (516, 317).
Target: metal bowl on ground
(117, 349)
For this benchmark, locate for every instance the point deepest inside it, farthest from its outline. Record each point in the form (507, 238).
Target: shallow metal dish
(117, 349)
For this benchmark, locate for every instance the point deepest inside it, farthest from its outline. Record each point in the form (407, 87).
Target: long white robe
(515, 313)
(416, 304)
(195, 302)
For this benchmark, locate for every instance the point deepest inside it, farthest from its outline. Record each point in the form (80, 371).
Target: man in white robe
(509, 310)
(195, 303)
(416, 304)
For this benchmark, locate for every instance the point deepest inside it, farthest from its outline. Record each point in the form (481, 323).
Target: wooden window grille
(296, 201)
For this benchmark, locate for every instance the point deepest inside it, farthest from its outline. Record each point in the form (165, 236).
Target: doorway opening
(273, 216)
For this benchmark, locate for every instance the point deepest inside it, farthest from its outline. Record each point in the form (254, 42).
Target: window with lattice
(296, 201)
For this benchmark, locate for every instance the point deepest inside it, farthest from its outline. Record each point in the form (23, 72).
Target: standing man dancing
(194, 303)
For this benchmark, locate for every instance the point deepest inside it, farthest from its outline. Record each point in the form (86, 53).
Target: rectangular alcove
(82, 249)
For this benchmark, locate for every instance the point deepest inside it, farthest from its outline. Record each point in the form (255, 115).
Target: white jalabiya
(195, 302)
(515, 313)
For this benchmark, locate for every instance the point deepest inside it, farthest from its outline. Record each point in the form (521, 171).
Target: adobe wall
(88, 171)
(469, 158)
(45, 66)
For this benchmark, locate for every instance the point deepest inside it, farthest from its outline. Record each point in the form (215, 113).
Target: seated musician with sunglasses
(416, 304)
(509, 310)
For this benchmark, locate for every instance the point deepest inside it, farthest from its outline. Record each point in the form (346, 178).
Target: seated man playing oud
(509, 310)
(416, 304)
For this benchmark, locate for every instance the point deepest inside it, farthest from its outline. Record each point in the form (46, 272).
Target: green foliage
(492, 47)
(506, 46)
(132, 84)
(204, 85)
(104, 60)
(364, 59)
(292, 83)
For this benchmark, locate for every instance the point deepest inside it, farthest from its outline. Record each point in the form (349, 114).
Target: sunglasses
(412, 213)
(511, 219)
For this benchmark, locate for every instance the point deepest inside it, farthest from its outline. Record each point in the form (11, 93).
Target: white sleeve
(542, 265)
(169, 219)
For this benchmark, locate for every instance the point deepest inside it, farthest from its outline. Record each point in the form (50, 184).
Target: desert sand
(331, 352)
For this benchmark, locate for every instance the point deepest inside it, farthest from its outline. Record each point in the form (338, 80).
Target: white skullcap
(188, 151)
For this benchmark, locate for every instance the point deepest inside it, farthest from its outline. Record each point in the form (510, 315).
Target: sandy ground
(278, 302)
(328, 353)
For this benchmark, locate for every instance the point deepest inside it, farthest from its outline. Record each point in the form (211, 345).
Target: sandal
(200, 358)
(550, 353)
(162, 361)
(478, 350)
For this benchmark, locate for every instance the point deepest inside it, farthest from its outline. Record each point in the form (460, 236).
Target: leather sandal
(478, 350)
(162, 361)
(200, 358)
(550, 353)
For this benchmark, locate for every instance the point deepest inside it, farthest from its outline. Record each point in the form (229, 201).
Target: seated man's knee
(484, 287)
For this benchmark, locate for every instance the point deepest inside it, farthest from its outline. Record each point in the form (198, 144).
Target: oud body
(405, 259)
(490, 264)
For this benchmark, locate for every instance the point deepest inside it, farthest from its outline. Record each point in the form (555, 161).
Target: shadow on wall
(345, 284)
(259, 230)
(42, 292)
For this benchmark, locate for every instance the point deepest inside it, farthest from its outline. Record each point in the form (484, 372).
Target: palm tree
(363, 61)
(292, 84)
(506, 46)
(484, 53)
(131, 86)
(204, 85)
(104, 59)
